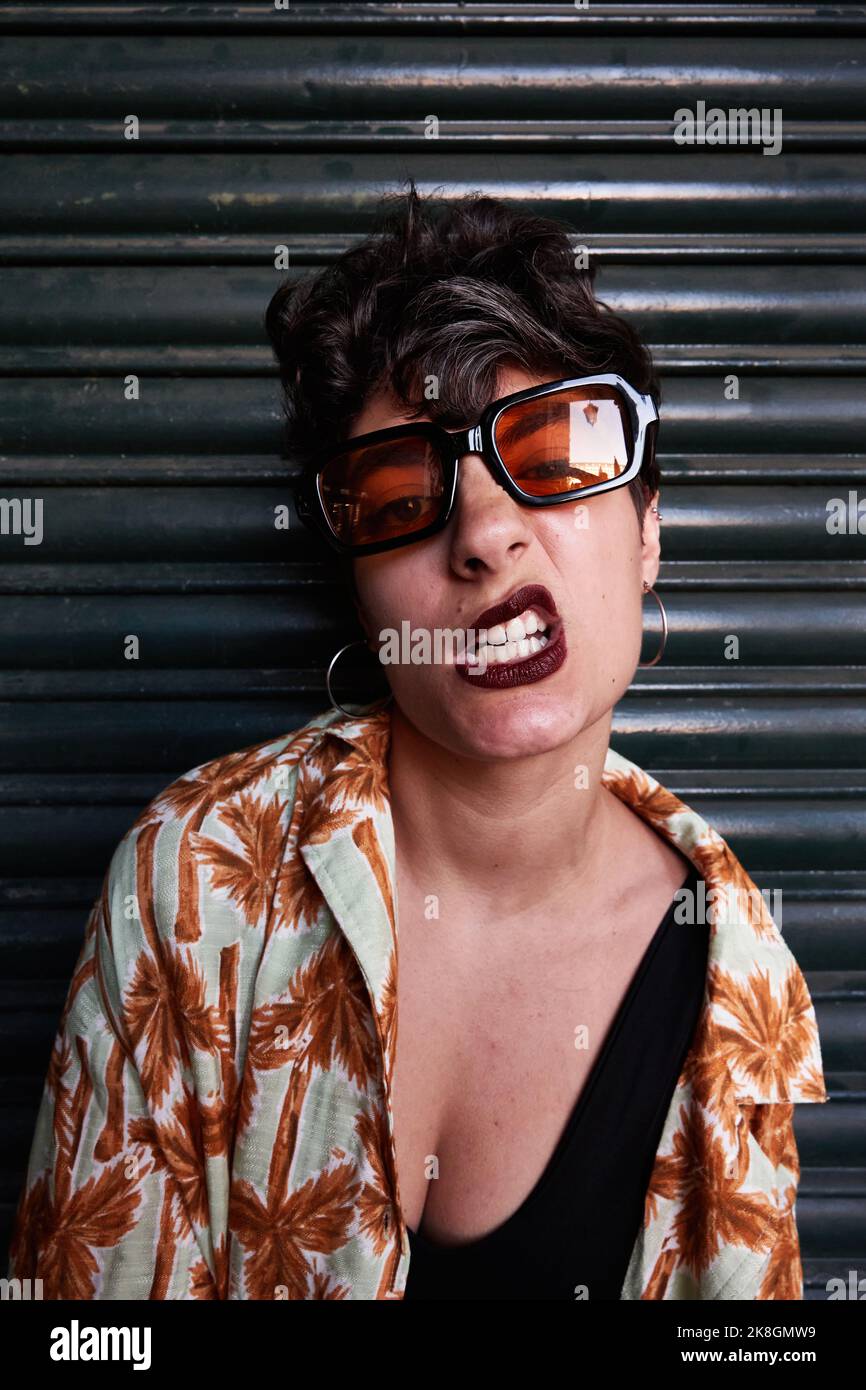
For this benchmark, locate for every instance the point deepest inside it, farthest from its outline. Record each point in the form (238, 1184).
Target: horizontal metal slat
(210, 415)
(309, 247)
(831, 1135)
(406, 137)
(273, 195)
(818, 1273)
(834, 1228)
(136, 735)
(49, 894)
(149, 525)
(748, 680)
(742, 733)
(34, 942)
(250, 16)
(399, 78)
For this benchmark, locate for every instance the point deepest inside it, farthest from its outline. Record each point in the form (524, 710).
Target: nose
(469, 445)
(488, 526)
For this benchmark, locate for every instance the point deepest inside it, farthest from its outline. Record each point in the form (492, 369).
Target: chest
(495, 1043)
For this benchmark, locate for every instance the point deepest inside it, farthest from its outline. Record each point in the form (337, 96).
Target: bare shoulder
(644, 864)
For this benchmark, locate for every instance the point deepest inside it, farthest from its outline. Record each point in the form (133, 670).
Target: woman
(601, 1031)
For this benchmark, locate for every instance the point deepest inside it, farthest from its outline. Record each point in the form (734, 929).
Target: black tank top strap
(576, 1229)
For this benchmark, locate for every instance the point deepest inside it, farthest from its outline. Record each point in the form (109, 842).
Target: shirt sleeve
(113, 1202)
(772, 1127)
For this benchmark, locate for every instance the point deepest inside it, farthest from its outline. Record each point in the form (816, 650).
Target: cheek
(598, 557)
(599, 542)
(392, 588)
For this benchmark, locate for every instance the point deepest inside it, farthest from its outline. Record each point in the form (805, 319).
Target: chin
(512, 725)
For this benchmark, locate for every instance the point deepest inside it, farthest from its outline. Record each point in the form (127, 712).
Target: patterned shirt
(217, 1123)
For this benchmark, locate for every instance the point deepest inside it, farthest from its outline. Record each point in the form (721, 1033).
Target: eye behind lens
(583, 432)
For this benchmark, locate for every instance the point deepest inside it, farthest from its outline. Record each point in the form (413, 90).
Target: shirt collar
(758, 1033)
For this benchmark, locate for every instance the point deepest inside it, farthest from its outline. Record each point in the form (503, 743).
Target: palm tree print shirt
(216, 1121)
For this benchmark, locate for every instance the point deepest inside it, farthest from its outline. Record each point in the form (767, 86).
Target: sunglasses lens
(382, 491)
(565, 440)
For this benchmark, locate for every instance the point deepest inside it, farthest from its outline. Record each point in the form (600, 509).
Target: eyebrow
(376, 456)
(523, 425)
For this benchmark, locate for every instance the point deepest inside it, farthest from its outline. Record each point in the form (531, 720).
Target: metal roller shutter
(154, 258)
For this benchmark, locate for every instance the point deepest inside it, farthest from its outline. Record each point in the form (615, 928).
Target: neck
(484, 835)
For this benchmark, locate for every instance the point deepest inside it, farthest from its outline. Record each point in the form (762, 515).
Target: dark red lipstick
(521, 670)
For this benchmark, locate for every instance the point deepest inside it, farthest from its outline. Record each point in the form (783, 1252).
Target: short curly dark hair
(449, 289)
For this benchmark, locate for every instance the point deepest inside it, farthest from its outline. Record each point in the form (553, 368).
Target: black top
(579, 1223)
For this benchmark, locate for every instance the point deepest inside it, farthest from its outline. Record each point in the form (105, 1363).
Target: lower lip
(524, 670)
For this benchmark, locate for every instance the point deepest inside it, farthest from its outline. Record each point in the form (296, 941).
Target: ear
(650, 541)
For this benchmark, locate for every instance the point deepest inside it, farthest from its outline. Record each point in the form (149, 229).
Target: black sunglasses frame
(477, 439)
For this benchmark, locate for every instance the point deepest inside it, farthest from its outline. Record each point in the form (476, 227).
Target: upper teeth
(525, 625)
(520, 637)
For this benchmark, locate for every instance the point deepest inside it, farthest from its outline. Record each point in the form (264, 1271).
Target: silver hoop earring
(658, 656)
(353, 714)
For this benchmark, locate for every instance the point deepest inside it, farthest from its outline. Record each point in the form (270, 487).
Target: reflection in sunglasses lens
(564, 441)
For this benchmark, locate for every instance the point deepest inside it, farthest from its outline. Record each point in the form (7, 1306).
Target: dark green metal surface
(155, 257)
